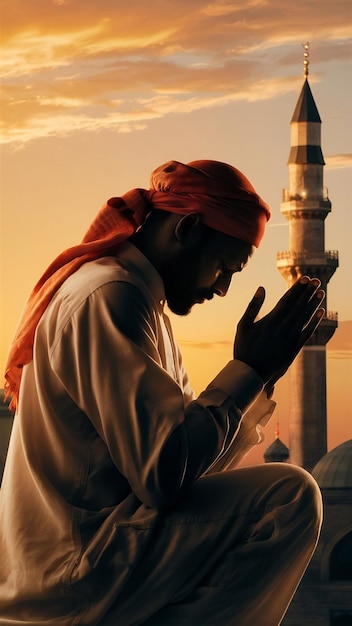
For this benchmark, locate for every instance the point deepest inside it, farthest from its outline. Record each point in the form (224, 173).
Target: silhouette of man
(120, 503)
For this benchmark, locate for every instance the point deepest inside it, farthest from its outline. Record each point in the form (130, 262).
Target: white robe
(108, 437)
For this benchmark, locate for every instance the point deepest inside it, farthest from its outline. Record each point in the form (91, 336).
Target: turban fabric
(221, 194)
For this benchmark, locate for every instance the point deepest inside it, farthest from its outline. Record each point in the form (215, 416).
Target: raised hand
(270, 344)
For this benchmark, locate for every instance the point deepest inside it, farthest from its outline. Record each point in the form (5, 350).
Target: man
(120, 504)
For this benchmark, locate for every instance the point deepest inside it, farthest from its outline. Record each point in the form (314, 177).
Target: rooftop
(334, 470)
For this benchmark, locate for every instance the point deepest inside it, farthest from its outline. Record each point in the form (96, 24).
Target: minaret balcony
(293, 264)
(329, 258)
(332, 316)
(303, 196)
(304, 205)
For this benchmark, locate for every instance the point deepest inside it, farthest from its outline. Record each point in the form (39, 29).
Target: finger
(311, 326)
(313, 323)
(308, 311)
(301, 291)
(252, 309)
(297, 312)
(304, 337)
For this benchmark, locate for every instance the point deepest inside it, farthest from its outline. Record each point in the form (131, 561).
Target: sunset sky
(95, 95)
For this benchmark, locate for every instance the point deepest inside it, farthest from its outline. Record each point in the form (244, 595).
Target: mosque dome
(277, 452)
(334, 470)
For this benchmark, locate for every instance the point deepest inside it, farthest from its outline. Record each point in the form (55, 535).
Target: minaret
(306, 205)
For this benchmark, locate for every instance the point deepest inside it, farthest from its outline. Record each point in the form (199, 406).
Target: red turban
(222, 195)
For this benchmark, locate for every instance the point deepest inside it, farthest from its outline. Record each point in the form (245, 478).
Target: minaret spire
(306, 58)
(306, 204)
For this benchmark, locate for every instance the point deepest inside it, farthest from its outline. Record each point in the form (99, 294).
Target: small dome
(276, 452)
(334, 470)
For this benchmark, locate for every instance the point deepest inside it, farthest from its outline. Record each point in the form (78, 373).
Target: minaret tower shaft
(306, 205)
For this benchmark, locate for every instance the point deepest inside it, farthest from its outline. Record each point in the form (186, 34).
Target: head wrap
(221, 194)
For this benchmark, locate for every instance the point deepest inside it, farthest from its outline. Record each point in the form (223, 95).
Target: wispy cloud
(340, 355)
(68, 66)
(339, 347)
(338, 161)
(204, 345)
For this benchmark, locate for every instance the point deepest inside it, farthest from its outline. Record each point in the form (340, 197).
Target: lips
(204, 296)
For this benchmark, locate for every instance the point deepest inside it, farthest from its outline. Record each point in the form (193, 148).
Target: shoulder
(93, 275)
(107, 275)
(101, 288)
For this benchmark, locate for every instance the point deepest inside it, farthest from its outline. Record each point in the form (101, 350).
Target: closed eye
(226, 270)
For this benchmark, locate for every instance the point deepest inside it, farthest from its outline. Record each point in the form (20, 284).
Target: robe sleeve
(250, 434)
(107, 357)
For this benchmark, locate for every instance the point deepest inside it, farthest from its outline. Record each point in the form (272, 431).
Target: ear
(188, 228)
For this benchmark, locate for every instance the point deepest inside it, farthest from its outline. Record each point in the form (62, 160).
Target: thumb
(253, 308)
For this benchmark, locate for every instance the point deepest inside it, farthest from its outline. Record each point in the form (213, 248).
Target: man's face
(204, 269)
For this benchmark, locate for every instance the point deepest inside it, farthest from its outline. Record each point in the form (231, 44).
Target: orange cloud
(205, 345)
(82, 65)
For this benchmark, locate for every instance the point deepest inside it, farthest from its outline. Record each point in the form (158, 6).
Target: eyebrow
(241, 264)
(238, 268)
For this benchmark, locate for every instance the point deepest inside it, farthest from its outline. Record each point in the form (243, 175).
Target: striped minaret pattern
(306, 205)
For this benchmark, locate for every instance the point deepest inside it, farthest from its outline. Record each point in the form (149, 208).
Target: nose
(222, 284)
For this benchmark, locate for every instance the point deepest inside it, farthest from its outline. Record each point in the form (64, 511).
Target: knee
(307, 497)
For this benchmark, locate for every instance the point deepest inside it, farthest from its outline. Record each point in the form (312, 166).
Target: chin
(179, 308)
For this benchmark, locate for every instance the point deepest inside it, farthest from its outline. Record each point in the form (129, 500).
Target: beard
(180, 283)
(179, 305)
(180, 297)
(179, 286)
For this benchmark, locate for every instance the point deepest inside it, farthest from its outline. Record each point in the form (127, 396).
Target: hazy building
(324, 597)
